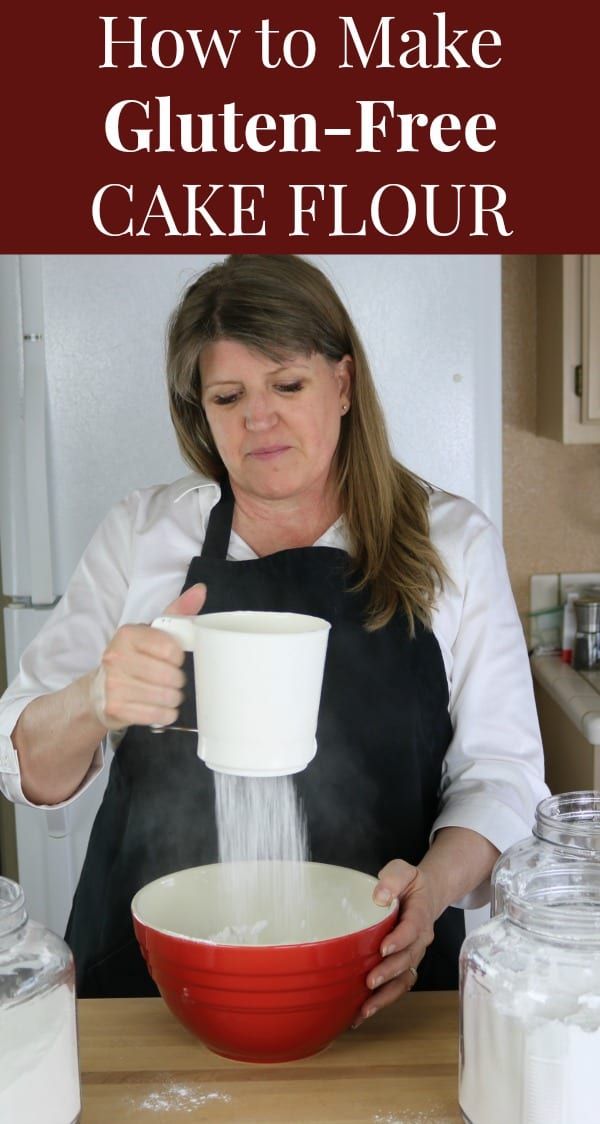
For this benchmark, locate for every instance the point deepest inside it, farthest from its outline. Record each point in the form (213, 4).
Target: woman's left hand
(403, 948)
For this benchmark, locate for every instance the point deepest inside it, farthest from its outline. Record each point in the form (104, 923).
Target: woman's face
(275, 424)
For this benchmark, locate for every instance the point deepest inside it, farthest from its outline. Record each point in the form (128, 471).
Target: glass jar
(530, 1004)
(566, 826)
(39, 1069)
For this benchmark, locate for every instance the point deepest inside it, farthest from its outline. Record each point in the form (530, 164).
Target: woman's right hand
(140, 678)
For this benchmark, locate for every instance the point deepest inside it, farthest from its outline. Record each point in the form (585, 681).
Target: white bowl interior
(260, 903)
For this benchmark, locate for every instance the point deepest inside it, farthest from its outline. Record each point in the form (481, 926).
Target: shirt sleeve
(493, 772)
(71, 641)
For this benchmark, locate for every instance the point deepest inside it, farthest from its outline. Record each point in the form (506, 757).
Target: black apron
(370, 794)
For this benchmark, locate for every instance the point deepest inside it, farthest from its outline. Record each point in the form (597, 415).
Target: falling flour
(258, 819)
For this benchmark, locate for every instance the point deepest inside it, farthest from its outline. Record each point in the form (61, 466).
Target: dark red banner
(382, 128)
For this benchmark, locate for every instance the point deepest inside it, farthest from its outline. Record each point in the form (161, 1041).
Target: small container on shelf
(569, 627)
(587, 632)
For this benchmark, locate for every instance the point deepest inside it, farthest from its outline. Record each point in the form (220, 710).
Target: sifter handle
(183, 629)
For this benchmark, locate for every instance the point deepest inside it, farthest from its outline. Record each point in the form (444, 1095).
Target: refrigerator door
(51, 848)
(14, 531)
(106, 424)
(51, 845)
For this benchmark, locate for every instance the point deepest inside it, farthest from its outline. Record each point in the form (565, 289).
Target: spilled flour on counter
(178, 1098)
(258, 819)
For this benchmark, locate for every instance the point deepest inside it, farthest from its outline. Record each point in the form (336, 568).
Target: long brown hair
(281, 306)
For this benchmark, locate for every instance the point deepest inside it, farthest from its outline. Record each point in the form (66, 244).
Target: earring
(344, 408)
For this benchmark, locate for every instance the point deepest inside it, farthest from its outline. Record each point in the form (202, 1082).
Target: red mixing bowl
(293, 990)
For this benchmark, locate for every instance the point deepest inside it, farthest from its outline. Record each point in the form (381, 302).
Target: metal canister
(585, 650)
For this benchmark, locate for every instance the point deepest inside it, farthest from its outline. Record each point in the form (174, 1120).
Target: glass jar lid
(12, 907)
(571, 819)
(559, 903)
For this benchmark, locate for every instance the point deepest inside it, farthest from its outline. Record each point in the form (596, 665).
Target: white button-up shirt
(136, 563)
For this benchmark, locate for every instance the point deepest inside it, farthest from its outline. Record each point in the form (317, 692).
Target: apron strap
(218, 531)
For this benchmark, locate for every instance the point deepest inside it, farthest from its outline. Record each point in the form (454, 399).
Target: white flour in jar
(520, 1067)
(39, 1070)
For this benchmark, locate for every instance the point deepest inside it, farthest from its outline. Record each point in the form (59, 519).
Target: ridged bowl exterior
(264, 1004)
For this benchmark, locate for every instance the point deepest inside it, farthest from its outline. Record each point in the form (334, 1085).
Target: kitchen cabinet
(401, 1067)
(568, 347)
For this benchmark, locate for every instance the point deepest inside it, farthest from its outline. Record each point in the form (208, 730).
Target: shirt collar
(333, 536)
(194, 483)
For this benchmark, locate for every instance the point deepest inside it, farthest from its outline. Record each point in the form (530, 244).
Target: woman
(429, 757)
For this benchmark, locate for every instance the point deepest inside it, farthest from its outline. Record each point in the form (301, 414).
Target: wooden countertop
(139, 1064)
